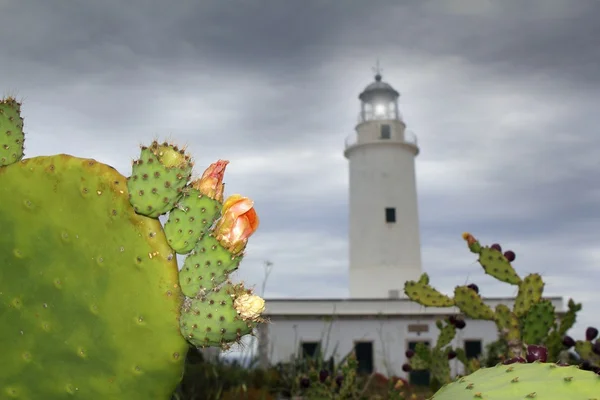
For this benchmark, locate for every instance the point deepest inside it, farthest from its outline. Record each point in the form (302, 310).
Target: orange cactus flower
(211, 182)
(237, 223)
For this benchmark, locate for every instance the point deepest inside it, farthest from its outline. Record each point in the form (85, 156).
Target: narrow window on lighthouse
(386, 132)
(390, 215)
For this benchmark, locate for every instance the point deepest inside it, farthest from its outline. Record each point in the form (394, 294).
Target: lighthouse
(384, 238)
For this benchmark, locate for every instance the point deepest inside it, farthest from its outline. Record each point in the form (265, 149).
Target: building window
(390, 215)
(472, 348)
(364, 356)
(310, 349)
(386, 131)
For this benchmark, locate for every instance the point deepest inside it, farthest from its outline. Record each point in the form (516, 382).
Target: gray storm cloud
(503, 97)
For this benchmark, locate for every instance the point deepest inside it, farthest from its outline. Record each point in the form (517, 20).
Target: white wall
(390, 338)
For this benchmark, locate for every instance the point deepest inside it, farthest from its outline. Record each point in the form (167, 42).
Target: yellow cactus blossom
(249, 306)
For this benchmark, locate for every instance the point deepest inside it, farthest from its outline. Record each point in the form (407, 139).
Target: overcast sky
(503, 96)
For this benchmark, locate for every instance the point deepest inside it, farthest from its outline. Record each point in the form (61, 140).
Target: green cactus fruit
(12, 139)
(221, 316)
(530, 292)
(447, 334)
(158, 179)
(471, 304)
(518, 381)
(538, 321)
(426, 295)
(89, 294)
(194, 215)
(507, 323)
(424, 279)
(207, 266)
(495, 264)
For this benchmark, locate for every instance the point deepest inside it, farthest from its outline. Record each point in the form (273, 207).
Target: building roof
(383, 306)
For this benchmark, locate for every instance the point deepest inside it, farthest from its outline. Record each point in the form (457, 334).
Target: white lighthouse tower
(384, 238)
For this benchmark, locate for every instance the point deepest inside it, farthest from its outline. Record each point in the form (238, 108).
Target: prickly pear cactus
(532, 319)
(519, 381)
(91, 300)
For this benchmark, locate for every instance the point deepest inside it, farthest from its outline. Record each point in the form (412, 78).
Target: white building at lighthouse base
(379, 331)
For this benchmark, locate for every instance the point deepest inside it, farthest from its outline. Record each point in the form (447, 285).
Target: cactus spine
(91, 299)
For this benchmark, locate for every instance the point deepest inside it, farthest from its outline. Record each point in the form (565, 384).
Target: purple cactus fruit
(323, 375)
(514, 360)
(409, 354)
(304, 383)
(496, 247)
(585, 365)
(568, 342)
(451, 354)
(474, 288)
(406, 368)
(452, 320)
(339, 380)
(460, 324)
(510, 255)
(536, 353)
(591, 333)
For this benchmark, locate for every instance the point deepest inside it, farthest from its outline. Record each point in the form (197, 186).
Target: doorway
(364, 356)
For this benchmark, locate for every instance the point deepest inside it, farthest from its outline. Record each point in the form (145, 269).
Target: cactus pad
(11, 132)
(207, 266)
(530, 292)
(537, 322)
(440, 368)
(83, 254)
(447, 334)
(213, 320)
(507, 323)
(495, 264)
(194, 215)
(426, 295)
(586, 352)
(471, 304)
(524, 381)
(158, 179)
